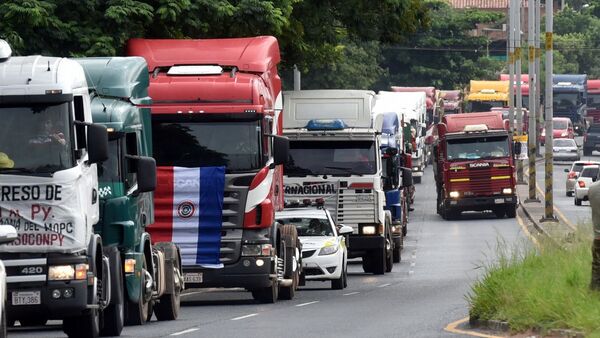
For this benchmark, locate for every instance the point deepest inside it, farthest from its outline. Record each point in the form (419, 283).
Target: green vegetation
(543, 288)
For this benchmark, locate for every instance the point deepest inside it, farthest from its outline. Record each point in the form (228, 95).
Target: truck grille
(480, 182)
(356, 206)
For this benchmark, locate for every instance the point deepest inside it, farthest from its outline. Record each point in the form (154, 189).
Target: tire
(267, 295)
(29, 322)
(289, 238)
(577, 201)
(367, 264)
(511, 211)
(417, 179)
(569, 194)
(137, 313)
(114, 315)
(397, 253)
(338, 284)
(3, 322)
(389, 258)
(379, 260)
(168, 305)
(87, 325)
(499, 212)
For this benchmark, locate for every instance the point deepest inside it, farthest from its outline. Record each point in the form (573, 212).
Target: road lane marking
(184, 331)
(309, 303)
(452, 328)
(560, 214)
(244, 317)
(526, 231)
(384, 285)
(351, 293)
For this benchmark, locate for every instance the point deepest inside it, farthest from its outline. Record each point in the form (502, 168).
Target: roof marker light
(5, 51)
(195, 70)
(474, 128)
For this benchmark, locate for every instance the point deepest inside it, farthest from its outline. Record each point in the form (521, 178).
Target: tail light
(581, 184)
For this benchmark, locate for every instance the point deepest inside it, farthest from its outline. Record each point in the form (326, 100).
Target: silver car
(573, 173)
(565, 149)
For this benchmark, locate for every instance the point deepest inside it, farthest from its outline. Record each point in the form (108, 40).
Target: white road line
(351, 293)
(184, 331)
(246, 316)
(384, 285)
(304, 304)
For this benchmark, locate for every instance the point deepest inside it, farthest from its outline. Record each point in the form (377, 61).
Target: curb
(503, 327)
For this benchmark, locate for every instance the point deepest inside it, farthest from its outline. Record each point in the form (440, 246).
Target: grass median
(540, 288)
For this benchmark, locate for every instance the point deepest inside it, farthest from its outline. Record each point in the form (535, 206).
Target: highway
(423, 294)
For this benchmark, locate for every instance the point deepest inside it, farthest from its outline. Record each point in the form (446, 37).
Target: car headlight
(507, 191)
(328, 249)
(61, 272)
(369, 230)
(454, 194)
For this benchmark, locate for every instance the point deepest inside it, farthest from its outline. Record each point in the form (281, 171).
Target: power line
(479, 50)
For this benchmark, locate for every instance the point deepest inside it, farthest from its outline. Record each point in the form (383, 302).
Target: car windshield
(559, 124)
(561, 142)
(593, 100)
(589, 172)
(484, 106)
(331, 157)
(233, 144)
(577, 166)
(35, 139)
(310, 226)
(478, 147)
(565, 100)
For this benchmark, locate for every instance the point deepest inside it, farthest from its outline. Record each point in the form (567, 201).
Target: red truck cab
(216, 120)
(474, 165)
(593, 101)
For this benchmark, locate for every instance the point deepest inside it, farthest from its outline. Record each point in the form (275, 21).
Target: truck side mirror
(281, 149)
(146, 174)
(97, 143)
(407, 178)
(8, 233)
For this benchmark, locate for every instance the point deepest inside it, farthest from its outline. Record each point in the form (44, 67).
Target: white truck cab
(48, 191)
(334, 154)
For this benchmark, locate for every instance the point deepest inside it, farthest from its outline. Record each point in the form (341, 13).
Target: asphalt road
(424, 293)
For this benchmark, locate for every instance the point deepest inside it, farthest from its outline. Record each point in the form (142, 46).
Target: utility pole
(549, 198)
(511, 66)
(531, 140)
(538, 71)
(519, 95)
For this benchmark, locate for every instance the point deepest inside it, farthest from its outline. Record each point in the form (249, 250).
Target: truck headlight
(454, 194)
(507, 191)
(328, 249)
(61, 272)
(368, 230)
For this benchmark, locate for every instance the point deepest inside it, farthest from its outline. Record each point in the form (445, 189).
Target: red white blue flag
(188, 205)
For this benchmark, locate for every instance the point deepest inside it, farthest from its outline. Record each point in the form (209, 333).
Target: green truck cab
(151, 280)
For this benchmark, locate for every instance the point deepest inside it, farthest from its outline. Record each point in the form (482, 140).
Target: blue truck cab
(570, 99)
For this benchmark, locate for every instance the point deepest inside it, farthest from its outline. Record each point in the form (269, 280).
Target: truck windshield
(483, 106)
(566, 100)
(233, 144)
(478, 148)
(35, 139)
(594, 100)
(331, 157)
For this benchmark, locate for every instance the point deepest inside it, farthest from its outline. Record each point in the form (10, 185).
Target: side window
(80, 138)
(131, 149)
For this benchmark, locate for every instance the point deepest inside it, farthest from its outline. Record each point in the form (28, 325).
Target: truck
(433, 100)
(335, 155)
(147, 278)
(452, 100)
(411, 106)
(58, 267)
(593, 102)
(524, 88)
(485, 95)
(474, 165)
(569, 99)
(216, 137)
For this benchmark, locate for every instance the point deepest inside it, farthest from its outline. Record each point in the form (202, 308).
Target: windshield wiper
(346, 169)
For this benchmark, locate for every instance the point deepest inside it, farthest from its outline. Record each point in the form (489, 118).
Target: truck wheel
(398, 249)
(289, 239)
(168, 305)
(511, 211)
(339, 284)
(137, 313)
(3, 323)
(367, 264)
(499, 212)
(417, 179)
(114, 315)
(87, 325)
(379, 260)
(389, 256)
(267, 295)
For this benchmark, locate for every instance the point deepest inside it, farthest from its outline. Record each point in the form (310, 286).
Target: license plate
(26, 298)
(192, 277)
(365, 198)
(499, 200)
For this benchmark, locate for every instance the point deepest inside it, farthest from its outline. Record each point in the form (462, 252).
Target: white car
(588, 175)
(324, 251)
(8, 233)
